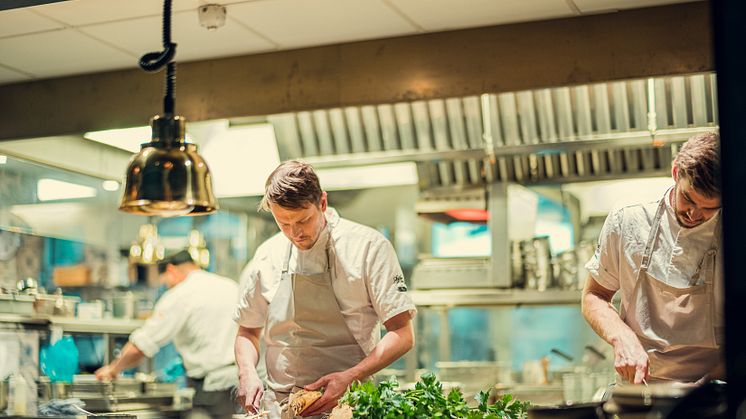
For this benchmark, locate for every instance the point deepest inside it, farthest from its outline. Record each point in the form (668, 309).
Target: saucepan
(573, 411)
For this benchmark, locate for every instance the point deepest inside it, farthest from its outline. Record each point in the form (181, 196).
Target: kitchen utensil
(574, 411)
(537, 263)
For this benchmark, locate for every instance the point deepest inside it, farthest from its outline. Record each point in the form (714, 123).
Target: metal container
(584, 252)
(123, 306)
(518, 276)
(567, 270)
(537, 263)
(17, 304)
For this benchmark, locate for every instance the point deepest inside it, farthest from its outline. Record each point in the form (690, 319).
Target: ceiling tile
(139, 36)
(9, 76)
(60, 53)
(295, 24)
(596, 6)
(435, 15)
(85, 12)
(20, 21)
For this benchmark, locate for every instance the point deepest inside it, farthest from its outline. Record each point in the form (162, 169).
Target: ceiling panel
(15, 22)
(139, 36)
(9, 76)
(595, 6)
(446, 14)
(85, 12)
(50, 53)
(292, 23)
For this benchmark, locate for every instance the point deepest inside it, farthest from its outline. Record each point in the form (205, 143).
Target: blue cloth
(60, 360)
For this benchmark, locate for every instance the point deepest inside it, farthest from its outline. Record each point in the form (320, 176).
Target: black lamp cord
(155, 61)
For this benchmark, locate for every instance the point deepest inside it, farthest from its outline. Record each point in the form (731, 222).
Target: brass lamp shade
(168, 177)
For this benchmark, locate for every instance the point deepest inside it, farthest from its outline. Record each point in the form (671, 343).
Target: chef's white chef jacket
(197, 315)
(676, 255)
(368, 281)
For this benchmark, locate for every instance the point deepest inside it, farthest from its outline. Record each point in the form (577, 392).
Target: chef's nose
(694, 214)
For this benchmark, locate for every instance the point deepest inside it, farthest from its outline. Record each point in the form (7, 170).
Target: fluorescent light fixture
(128, 139)
(373, 176)
(110, 185)
(241, 159)
(3, 159)
(54, 190)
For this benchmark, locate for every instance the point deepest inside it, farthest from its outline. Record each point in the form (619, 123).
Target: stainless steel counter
(74, 325)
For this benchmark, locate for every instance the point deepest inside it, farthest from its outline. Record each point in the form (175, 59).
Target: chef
(664, 259)
(196, 314)
(317, 291)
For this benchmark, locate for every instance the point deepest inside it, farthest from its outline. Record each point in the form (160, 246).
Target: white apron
(306, 335)
(676, 325)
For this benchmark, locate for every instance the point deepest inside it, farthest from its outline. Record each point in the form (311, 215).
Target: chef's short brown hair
(699, 162)
(292, 185)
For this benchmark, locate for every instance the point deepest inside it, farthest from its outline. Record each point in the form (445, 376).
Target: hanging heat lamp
(167, 177)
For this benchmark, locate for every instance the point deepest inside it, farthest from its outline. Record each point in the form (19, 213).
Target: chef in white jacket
(664, 259)
(317, 291)
(196, 314)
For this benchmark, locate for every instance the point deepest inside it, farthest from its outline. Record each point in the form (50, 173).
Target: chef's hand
(250, 392)
(630, 360)
(106, 373)
(335, 385)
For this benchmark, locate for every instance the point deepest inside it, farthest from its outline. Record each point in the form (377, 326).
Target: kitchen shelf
(492, 297)
(74, 325)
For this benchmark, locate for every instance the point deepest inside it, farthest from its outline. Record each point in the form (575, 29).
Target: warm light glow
(110, 185)
(3, 159)
(53, 190)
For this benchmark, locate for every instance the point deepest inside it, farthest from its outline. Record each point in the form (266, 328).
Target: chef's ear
(675, 171)
(322, 202)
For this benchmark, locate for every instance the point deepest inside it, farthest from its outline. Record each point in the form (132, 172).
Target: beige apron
(306, 335)
(676, 325)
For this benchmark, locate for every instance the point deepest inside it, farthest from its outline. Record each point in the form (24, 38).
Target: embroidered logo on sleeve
(401, 286)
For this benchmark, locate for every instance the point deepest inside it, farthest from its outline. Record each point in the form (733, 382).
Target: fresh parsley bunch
(426, 401)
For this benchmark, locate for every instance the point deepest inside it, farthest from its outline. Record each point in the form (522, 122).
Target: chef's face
(302, 226)
(692, 207)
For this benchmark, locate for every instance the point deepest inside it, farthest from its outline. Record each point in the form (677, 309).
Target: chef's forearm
(601, 314)
(247, 350)
(130, 357)
(393, 345)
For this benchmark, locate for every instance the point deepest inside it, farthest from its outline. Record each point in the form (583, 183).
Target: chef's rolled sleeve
(604, 265)
(385, 281)
(167, 319)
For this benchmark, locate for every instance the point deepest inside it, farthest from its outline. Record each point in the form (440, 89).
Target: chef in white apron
(663, 258)
(318, 291)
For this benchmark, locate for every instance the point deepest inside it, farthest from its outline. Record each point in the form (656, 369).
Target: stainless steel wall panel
(601, 112)
(493, 119)
(639, 105)
(323, 133)
(355, 127)
(564, 109)
(582, 106)
(389, 131)
(473, 122)
(545, 109)
(509, 118)
(698, 95)
(679, 102)
(439, 121)
(527, 117)
(372, 128)
(456, 128)
(422, 128)
(405, 125)
(620, 107)
(339, 131)
(307, 134)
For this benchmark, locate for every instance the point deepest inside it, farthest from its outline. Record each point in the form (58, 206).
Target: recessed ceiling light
(53, 190)
(3, 159)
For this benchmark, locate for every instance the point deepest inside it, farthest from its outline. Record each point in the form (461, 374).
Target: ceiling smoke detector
(211, 16)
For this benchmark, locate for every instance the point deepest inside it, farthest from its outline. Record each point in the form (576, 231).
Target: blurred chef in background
(196, 313)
